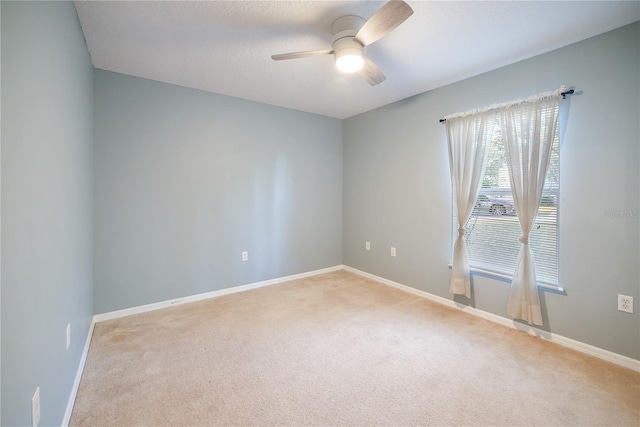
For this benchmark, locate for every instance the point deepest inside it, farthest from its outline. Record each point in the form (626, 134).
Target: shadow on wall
(271, 211)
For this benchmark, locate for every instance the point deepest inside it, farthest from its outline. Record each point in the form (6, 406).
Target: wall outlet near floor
(35, 407)
(367, 245)
(245, 256)
(68, 335)
(625, 303)
(393, 251)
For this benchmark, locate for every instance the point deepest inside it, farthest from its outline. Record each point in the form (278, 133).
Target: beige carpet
(338, 349)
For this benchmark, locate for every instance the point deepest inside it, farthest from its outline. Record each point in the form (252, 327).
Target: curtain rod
(564, 96)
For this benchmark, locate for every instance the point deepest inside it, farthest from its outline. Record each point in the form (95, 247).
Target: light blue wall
(47, 143)
(397, 187)
(187, 180)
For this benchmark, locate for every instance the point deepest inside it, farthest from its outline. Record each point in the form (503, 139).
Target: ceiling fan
(352, 34)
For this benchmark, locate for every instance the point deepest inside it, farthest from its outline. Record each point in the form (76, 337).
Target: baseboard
(591, 350)
(199, 297)
(76, 382)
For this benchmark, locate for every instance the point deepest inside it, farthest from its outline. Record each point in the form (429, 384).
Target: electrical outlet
(245, 256)
(625, 303)
(35, 407)
(68, 335)
(393, 251)
(367, 245)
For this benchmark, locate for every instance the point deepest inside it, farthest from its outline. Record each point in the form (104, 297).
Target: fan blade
(371, 73)
(385, 20)
(296, 55)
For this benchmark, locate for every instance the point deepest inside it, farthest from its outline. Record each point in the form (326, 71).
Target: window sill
(507, 278)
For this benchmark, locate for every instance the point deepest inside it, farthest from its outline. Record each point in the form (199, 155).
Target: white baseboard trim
(76, 382)
(591, 350)
(199, 297)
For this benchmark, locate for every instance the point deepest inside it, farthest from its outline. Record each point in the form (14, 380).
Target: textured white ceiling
(225, 47)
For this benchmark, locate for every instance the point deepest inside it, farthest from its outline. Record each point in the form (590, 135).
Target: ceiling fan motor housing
(349, 53)
(348, 22)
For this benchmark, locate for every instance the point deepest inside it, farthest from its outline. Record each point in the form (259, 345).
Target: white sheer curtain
(468, 138)
(528, 129)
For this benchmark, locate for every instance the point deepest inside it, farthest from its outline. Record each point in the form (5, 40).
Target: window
(492, 232)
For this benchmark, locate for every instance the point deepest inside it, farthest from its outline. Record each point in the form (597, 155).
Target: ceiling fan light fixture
(349, 60)
(351, 36)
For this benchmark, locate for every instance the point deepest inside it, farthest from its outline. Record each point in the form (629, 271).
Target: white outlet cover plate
(625, 303)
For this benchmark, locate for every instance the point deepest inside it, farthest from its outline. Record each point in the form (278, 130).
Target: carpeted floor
(339, 349)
